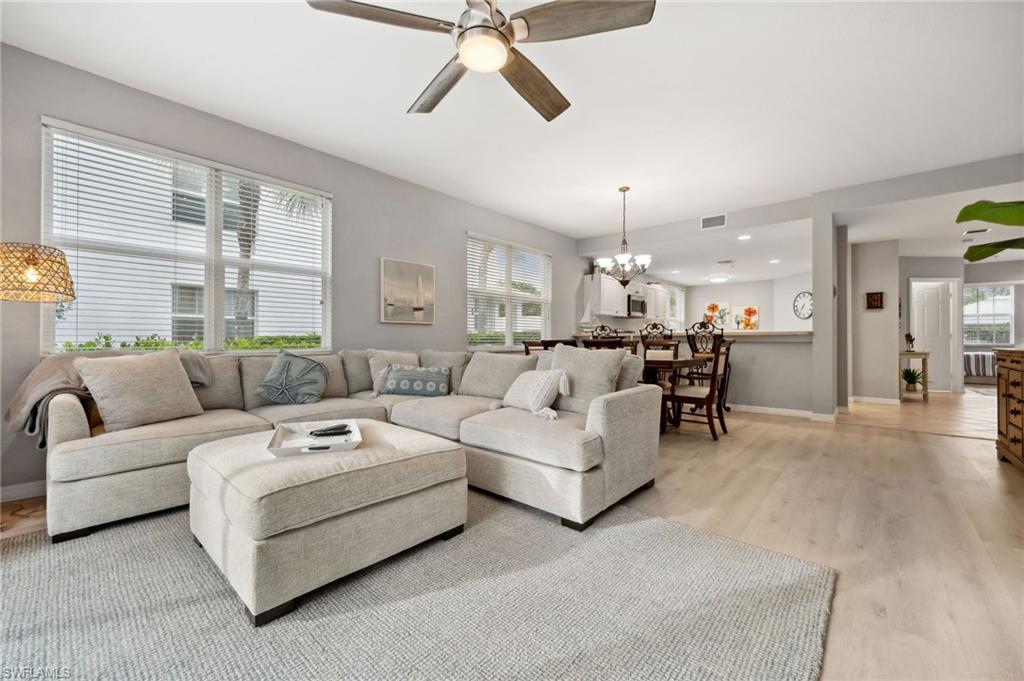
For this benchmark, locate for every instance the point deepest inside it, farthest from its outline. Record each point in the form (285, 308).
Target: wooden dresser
(1010, 393)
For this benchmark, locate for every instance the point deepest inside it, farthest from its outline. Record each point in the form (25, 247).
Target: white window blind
(988, 315)
(508, 293)
(169, 251)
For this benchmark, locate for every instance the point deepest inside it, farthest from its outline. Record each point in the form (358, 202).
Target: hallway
(971, 414)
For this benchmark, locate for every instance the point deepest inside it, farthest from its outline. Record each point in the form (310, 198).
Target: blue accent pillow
(294, 379)
(412, 380)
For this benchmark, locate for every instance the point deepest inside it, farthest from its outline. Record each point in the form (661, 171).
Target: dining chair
(532, 345)
(550, 343)
(602, 331)
(655, 331)
(660, 348)
(697, 395)
(603, 343)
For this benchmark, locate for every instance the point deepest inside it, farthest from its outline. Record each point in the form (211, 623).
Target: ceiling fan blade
(574, 18)
(442, 84)
(383, 15)
(534, 87)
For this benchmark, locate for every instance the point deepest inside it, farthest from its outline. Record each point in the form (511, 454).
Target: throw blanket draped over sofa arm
(628, 422)
(66, 420)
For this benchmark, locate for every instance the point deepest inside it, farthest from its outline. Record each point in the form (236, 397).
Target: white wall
(774, 298)
(784, 291)
(875, 339)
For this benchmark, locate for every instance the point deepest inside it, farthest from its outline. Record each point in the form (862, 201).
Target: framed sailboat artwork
(406, 292)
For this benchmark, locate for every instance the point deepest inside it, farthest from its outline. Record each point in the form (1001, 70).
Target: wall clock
(803, 305)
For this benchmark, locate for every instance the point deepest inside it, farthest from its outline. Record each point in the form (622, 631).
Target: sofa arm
(66, 420)
(629, 423)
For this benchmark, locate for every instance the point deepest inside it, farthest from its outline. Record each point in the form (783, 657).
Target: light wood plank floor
(926, 531)
(971, 414)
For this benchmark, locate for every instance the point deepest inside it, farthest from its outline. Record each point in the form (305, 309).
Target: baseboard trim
(875, 400)
(824, 418)
(25, 490)
(776, 411)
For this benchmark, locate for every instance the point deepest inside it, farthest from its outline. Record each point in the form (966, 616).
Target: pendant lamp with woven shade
(32, 273)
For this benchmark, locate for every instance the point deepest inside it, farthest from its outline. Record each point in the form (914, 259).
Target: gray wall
(374, 215)
(774, 298)
(875, 333)
(771, 372)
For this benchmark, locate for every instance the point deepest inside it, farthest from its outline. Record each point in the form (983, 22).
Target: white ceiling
(928, 227)
(711, 107)
(696, 256)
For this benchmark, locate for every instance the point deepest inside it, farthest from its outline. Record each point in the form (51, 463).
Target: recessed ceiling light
(774, 261)
(979, 230)
(744, 237)
(719, 278)
(675, 271)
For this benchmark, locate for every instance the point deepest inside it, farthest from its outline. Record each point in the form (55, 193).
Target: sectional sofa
(574, 467)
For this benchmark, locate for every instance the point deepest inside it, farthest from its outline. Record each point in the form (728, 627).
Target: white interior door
(932, 327)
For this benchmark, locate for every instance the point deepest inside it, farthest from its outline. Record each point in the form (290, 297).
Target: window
(988, 315)
(508, 293)
(170, 251)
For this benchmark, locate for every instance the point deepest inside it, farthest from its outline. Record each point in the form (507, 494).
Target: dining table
(653, 367)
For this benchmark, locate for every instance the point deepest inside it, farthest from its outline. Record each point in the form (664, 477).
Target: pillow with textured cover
(535, 391)
(406, 379)
(381, 360)
(134, 390)
(294, 379)
(491, 374)
(592, 373)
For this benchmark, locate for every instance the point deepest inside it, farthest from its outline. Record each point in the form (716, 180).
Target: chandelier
(625, 266)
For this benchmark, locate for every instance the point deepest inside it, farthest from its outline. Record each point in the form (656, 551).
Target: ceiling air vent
(712, 222)
(726, 262)
(980, 230)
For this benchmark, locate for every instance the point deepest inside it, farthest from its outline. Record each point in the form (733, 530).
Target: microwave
(636, 306)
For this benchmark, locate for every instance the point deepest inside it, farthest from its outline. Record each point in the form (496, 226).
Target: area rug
(515, 596)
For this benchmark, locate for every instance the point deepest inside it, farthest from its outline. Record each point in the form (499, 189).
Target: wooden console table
(911, 355)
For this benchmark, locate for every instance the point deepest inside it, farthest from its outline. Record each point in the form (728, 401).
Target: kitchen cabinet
(657, 302)
(605, 296)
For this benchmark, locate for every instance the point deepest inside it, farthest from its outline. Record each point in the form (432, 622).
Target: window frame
(511, 299)
(977, 317)
(213, 260)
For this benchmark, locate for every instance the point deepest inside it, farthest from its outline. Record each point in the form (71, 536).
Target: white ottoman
(279, 528)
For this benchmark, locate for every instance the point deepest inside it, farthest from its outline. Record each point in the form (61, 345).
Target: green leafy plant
(1008, 213)
(911, 376)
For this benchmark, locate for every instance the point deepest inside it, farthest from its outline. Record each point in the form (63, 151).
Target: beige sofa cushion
(441, 415)
(630, 372)
(330, 408)
(386, 401)
(133, 390)
(337, 384)
(225, 388)
(491, 374)
(146, 446)
(563, 443)
(357, 370)
(456, 361)
(592, 373)
(262, 495)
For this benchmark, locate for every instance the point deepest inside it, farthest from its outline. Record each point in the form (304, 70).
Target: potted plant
(911, 377)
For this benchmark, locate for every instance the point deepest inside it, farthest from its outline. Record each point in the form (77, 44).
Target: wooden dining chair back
(608, 342)
(531, 345)
(550, 343)
(602, 331)
(700, 337)
(702, 396)
(661, 348)
(655, 331)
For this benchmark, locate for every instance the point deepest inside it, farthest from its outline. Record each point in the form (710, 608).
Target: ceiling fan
(486, 40)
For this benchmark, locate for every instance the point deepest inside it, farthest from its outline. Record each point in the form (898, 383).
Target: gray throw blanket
(56, 375)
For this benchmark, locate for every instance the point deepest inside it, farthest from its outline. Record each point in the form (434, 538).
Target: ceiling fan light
(483, 50)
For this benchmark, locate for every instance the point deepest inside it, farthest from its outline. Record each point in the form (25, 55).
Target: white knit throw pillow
(535, 391)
